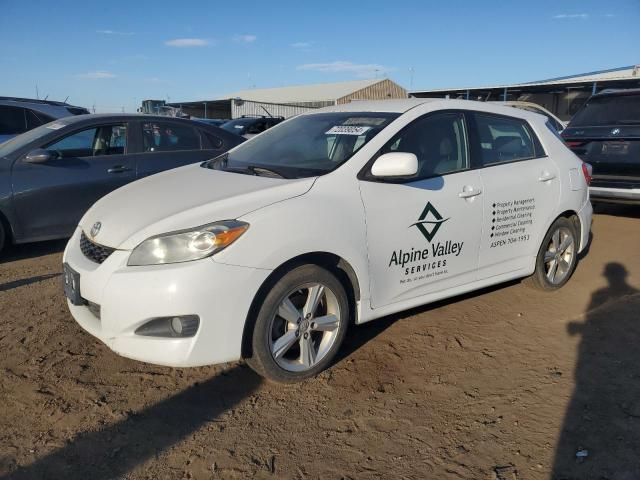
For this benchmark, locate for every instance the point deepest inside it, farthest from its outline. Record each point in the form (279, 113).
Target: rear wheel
(300, 325)
(557, 256)
(3, 236)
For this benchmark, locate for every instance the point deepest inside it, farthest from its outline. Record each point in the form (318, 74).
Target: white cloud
(358, 69)
(187, 42)
(244, 38)
(113, 32)
(560, 16)
(300, 45)
(97, 75)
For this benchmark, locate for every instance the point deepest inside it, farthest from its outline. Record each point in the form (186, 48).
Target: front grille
(93, 251)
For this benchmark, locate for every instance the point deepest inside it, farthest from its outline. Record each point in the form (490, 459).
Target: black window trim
(365, 173)
(538, 150)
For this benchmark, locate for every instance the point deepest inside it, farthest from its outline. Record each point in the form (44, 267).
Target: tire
(292, 340)
(3, 236)
(562, 231)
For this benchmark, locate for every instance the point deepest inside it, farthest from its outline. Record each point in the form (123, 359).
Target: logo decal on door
(429, 225)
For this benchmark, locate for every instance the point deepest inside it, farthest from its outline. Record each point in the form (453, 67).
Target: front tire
(557, 257)
(300, 325)
(3, 236)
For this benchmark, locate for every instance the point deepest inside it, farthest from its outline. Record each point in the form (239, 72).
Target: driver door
(51, 197)
(423, 232)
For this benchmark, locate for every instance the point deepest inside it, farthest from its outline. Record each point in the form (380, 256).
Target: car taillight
(587, 170)
(574, 144)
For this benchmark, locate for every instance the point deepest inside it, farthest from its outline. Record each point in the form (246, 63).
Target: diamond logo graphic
(429, 222)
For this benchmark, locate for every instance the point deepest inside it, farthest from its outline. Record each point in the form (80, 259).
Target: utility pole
(411, 72)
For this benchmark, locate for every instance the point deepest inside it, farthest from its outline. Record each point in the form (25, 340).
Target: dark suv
(18, 115)
(605, 132)
(248, 127)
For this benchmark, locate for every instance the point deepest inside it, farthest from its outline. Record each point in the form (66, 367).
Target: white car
(338, 216)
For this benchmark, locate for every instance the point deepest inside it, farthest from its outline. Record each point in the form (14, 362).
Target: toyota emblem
(95, 230)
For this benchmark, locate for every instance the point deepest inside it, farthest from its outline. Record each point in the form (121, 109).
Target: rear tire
(557, 257)
(3, 236)
(300, 325)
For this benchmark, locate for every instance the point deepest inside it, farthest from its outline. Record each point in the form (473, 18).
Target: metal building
(293, 100)
(562, 95)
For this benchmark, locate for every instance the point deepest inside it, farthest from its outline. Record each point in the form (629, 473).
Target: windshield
(608, 110)
(27, 137)
(238, 126)
(307, 145)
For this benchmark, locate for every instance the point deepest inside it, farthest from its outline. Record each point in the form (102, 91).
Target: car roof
(122, 117)
(404, 105)
(617, 92)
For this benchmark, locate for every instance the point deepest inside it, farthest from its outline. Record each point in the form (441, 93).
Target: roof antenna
(46, 96)
(271, 116)
(65, 100)
(37, 94)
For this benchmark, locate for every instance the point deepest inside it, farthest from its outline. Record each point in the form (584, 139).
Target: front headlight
(187, 245)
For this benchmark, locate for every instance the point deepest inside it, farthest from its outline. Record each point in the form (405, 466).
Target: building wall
(248, 107)
(383, 90)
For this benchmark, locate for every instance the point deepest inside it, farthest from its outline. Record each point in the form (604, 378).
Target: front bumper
(586, 217)
(130, 296)
(618, 195)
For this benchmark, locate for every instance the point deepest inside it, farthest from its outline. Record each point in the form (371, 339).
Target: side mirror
(39, 155)
(395, 164)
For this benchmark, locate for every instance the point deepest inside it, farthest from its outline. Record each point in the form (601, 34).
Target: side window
(35, 120)
(504, 139)
(12, 120)
(92, 142)
(169, 137)
(439, 142)
(257, 127)
(211, 141)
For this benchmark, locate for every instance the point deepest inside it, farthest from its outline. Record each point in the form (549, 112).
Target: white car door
(423, 232)
(521, 191)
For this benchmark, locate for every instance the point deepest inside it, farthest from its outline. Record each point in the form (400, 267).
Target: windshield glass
(238, 126)
(20, 141)
(307, 145)
(608, 110)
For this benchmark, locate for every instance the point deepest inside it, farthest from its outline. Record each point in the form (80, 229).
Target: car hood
(182, 198)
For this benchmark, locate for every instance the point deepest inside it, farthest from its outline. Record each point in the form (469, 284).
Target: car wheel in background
(300, 325)
(3, 236)
(557, 256)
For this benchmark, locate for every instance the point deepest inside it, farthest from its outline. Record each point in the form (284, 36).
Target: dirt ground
(509, 383)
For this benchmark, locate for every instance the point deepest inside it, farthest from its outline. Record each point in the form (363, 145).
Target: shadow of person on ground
(26, 281)
(115, 450)
(600, 436)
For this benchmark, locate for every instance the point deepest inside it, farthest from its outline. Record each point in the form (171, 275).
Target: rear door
(50, 198)
(164, 145)
(521, 191)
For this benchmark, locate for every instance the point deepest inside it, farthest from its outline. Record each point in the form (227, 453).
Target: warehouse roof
(615, 74)
(303, 93)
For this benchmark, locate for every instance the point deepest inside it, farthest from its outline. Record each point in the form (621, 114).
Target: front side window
(169, 137)
(12, 120)
(437, 140)
(503, 139)
(92, 142)
(307, 145)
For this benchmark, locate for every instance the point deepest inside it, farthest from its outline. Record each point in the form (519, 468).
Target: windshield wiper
(262, 171)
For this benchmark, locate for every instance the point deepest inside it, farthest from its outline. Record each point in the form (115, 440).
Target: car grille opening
(93, 251)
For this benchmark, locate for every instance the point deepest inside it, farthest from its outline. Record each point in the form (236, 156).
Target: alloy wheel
(559, 256)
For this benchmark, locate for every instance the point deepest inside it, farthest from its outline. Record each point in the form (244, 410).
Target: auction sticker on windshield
(347, 130)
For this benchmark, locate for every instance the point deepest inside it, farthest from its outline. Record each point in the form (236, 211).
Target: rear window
(504, 139)
(609, 110)
(12, 120)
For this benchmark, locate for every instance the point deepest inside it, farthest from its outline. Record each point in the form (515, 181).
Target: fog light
(176, 327)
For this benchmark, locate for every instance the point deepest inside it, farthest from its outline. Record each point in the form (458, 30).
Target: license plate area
(615, 148)
(71, 284)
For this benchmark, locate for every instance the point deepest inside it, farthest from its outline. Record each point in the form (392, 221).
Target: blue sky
(114, 54)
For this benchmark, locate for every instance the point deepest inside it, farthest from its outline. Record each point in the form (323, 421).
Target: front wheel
(557, 256)
(300, 325)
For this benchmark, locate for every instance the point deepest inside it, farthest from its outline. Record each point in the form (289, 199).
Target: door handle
(546, 176)
(118, 169)
(469, 192)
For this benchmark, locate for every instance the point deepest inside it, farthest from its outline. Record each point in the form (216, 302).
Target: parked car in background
(338, 216)
(18, 115)
(605, 132)
(251, 126)
(555, 122)
(216, 122)
(51, 175)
